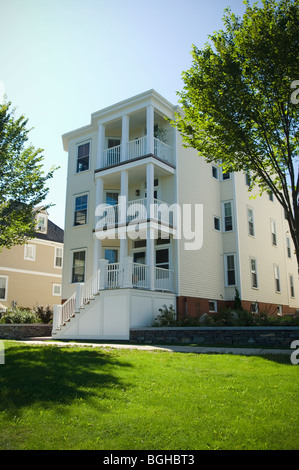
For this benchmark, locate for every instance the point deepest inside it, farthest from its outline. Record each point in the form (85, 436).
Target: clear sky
(61, 60)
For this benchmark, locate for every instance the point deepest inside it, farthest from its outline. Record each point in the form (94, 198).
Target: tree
(22, 180)
(239, 105)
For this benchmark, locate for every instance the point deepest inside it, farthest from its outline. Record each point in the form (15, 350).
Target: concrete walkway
(167, 348)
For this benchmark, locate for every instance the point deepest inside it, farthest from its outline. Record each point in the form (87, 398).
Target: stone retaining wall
(20, 331)
(239, 336)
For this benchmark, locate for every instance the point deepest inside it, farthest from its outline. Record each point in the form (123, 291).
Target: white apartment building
(149, 223)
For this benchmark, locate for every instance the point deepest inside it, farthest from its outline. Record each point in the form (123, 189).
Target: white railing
(140, 276)
(136, 148)
(163, 279)
(114, 276)
(137, 209)
(110, 216)
(68, 309)
(112, 156)
(89, 289)
(162, 150)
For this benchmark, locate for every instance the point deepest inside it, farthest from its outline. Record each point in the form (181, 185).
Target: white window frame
(79, 144)
(277, 278)
(58, 257)
(54, 285)
(215, 306)
(41, 228)
(79, 250)
(223, 203)
(217, 172)
(292, 287)
(226, 255)
(26, 254)
(6, 287)
(225, 173)
(289, 250)
(250, 216)
(219, 219)
(253, 272)
(273, 232)
(74, 211)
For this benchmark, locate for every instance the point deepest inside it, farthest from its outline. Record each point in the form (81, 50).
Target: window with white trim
(83, 152)
(253, 271)
(29, 252)
(289, 252)
(292, 288)
(250, 222)
(277, 278)
(225, 176)
(78, 266)
(212, 305)
(273, 232)
(215, 172)
(58, 257)
(227, 212)
(80, 217)
(41, 225)
(56, 289)
(230, 270)
(3, 287)
(217, 224)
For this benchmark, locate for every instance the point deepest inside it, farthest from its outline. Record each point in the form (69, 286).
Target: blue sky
(61, 60)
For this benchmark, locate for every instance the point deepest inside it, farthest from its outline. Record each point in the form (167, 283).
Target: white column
(103, 273)
(149, 188)
(150, 256)
(97, 248)
(101, 138)
(124, 138)
(124, 193)
(150, 128)
(127, 271)
(97, 243)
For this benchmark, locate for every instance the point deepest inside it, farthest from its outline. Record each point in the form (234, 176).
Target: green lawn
(85, 398)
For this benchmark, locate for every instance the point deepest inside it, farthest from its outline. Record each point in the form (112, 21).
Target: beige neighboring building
(31, 274)
(129, 247)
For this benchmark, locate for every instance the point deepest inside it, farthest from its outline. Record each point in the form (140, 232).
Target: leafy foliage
(22, 179)
(237, 105)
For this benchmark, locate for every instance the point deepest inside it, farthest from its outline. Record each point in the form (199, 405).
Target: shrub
(44, 314)
(167, 317)
(19, 315)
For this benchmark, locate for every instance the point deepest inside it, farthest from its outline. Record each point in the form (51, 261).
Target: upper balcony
(134, 149)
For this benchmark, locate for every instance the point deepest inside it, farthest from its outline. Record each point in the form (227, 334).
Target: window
(227, 216)
(225, 176)
(279, 309)
(292, 290)
(80, 210)
(29, 252)
(247, 179)
(212, 305)
(162, 258)
(78, 268)
(289, 247)
(254, 307)
(277, 278)
(217, 224)
(270, 196)
(273, 233)
(41, 225)
(253, 270)
(215, 172)
(3, 287)
(250, 221)
(58, 257)
(83, 157)
(56, 289)
(111, 255)
(230, 270)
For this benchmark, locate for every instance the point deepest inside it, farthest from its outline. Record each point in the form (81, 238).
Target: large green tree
(22, 179)
(240, 100)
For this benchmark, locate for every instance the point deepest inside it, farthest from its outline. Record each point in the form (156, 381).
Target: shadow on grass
(50, 376)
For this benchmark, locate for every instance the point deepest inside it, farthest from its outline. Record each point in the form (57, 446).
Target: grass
(96, 398)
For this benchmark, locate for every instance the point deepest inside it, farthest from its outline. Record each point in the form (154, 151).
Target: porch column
(101, 138)
(150, 256)
(124, 138)
(150, 128)
(122, 235)
(149, 189)
(103, 273)
(97, 248)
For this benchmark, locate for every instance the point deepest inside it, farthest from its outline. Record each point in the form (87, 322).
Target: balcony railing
(136, 210)
(134, 149)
